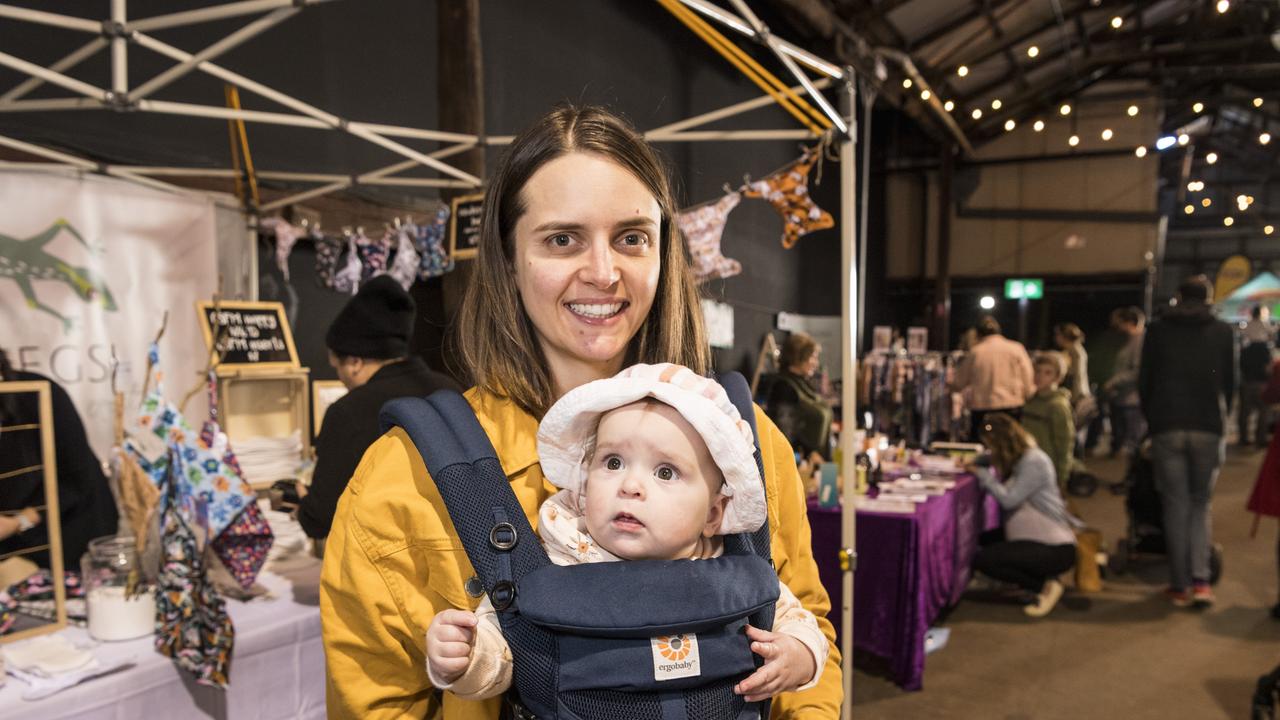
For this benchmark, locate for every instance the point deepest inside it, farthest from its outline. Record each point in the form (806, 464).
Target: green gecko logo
(23, 260)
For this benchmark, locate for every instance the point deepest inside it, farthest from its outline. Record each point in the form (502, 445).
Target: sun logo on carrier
(674, 647)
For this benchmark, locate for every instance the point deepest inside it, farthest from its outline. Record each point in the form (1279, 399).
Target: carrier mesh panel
(714, 702)
(609, 704)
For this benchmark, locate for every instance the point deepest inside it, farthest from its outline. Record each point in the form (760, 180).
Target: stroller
(1144, 536)
(1264, 696)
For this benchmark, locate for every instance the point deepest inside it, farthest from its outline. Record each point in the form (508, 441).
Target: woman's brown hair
(496, 339)
(1071, 332)
(1007, 440)
(798, 348)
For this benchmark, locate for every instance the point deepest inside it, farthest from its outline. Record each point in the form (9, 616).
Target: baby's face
(652, 487)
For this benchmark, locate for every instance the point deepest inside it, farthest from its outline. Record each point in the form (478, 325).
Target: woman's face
(587, 260)
(811, 365)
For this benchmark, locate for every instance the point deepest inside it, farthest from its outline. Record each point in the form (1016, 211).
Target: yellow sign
(1234, 272)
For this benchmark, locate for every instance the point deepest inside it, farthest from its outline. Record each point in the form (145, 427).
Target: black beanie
(377, 323)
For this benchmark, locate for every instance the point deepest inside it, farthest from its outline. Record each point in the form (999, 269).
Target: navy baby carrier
(642, 639)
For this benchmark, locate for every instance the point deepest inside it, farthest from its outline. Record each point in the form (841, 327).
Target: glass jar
(121, 603)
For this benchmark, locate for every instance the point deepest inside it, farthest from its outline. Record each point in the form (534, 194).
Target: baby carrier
(642, 639)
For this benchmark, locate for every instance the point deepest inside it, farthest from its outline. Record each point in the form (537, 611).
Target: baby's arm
(466, 653)
(794, 653)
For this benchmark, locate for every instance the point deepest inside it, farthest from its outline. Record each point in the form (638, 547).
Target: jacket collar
(513, 432)
(411, 365)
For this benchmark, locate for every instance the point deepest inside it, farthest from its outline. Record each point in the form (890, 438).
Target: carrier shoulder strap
(735, 385)
(489, 519)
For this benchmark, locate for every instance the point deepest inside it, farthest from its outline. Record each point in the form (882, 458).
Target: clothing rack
(909, 398)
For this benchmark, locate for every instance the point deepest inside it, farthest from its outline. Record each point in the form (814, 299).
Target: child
(1047, 414)
(654, 463)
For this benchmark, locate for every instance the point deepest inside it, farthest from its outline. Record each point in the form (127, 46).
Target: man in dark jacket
(369, 347)
(1186, 383)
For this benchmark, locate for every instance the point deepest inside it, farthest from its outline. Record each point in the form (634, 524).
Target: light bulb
(1191, 186)
(1166, 142)
(1242, 199)
(1106, 134)
(1257, 102)
(1223, 6)
(1133, 111)
(1116, 22)
(1267, 230)
(1065, 109)
(962, 70)
(1141, 151)
(1038, 125)
(1009, 124)
(1264, 138)
(1228, 221)
(987, 302)
(1189, 209)
(1033, 51)
(1211, 158)
(1206, 202)
(948, 106)
(925, 95)
(906, 83)
(995, 104)
(1074, 140)
(977, 113)
(1183, 139)
(1248, 199)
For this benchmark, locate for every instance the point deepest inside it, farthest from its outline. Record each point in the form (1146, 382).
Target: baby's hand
(449, 641)
(788, 664)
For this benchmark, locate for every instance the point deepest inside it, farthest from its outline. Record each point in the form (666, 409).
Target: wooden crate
(265, 403)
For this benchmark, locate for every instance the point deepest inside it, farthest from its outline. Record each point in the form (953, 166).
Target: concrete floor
(1122, 653)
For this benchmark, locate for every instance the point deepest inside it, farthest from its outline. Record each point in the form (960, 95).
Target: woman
(802, 415)
(1070, 340)
(1037, 542)
(1047, 414)
(581, 213)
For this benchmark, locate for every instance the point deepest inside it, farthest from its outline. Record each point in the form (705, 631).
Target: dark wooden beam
(1109, 216)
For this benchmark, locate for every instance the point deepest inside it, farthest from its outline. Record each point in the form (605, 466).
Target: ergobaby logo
(675, 656)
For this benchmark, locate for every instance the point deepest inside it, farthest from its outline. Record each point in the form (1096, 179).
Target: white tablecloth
(277, 666)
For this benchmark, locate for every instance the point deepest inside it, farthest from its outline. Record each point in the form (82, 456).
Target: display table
(910, 567)
(277, 669)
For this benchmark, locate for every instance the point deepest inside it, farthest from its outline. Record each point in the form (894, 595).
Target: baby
(653, 464)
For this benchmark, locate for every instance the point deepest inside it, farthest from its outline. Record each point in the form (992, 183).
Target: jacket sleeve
(489, 672)
(790, 618)
(793, 558)
(1028, 476)
(380, 588)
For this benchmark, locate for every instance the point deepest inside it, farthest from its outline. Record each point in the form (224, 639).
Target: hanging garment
(788, 191)
(192, 625)
(286, 237)
(404, 268)
(328, 252)
(703, 229)
(431, 248)
(347, 280)
(373, 255)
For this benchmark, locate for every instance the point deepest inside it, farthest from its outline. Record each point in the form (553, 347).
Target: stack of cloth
(267, 459)
(51, 663)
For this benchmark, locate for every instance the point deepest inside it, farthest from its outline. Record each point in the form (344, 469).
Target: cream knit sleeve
(790, 618)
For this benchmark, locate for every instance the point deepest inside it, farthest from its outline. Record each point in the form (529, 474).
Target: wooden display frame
(204, 306)
(318, 408)
(236, 410)
(52, 516)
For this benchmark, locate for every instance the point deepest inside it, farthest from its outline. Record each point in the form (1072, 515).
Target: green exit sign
(1020, 288)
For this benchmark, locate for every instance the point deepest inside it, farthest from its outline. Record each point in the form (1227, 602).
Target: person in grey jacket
(1037, 542)
(1128, 427)
(1187, 382)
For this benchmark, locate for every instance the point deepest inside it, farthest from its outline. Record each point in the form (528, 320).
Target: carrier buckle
(502, 595)
(503, 536)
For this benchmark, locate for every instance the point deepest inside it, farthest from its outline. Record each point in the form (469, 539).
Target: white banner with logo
(88, 263)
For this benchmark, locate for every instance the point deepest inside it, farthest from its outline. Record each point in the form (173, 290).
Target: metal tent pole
(85, 51)
(729, 20)
(849, 310)
(39, 17)
(50, 76)
(253, 29)
(706, 135)
(216, 12)
(119, 50)
(726, 112)
(868, 95)
(774, 44)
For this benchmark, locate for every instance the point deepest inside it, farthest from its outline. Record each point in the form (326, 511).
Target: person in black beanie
(369, 347)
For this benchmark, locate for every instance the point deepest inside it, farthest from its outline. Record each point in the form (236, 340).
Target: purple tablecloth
(910, 567)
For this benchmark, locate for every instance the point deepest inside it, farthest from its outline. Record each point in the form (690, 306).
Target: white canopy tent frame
(118, 32)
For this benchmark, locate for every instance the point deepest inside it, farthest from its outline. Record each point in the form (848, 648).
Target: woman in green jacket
(1047, 414)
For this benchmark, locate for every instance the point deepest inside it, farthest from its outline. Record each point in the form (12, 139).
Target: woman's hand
(450, 638)
(10, 525)
(788, 664)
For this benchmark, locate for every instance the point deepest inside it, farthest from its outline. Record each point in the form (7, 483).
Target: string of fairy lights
(1242, 202)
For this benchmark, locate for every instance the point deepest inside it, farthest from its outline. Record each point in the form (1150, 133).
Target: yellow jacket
(393, 559)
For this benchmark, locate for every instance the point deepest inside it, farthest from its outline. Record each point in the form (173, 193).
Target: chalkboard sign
(464, 227)
(249, 333)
